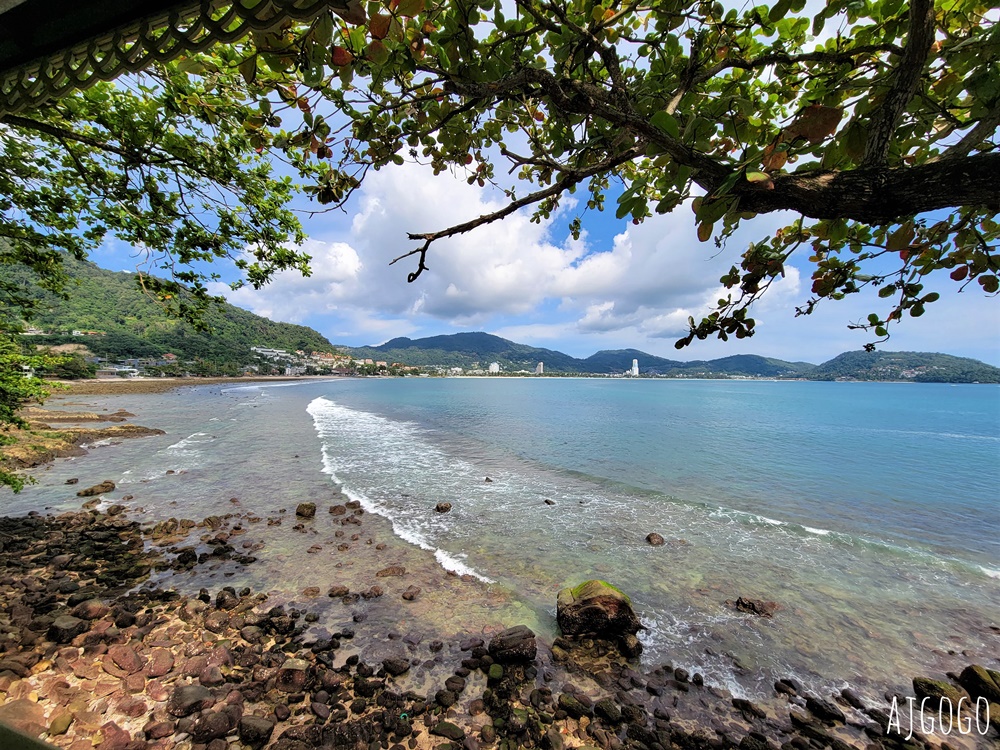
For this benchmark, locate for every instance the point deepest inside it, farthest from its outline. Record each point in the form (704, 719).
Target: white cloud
(531, 282)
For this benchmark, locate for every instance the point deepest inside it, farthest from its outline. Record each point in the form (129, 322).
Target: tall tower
(540, 368)
(635, 368)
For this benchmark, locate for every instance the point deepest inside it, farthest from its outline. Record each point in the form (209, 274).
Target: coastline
(563, 694)
(110, 387)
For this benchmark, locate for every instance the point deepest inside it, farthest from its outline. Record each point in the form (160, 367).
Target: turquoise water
(869, 512)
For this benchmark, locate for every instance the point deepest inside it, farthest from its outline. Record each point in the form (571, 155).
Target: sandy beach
(98, 648)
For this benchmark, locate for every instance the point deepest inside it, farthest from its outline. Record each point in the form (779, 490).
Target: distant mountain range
(478, 350)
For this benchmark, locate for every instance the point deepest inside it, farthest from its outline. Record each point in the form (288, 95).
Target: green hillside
(469, 351)
(921, 367)
(136, 326)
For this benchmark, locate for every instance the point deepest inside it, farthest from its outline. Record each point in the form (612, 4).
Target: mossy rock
(596, 607)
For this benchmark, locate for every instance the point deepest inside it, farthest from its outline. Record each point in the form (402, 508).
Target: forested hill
(136, 326)
(922, 367)
(478, 350)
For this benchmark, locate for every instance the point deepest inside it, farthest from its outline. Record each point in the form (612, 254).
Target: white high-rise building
(635, 368)
(540, 368)
(494, 368)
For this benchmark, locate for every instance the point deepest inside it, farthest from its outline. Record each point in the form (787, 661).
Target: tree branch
(982, 130)
(569, 178)
(903, 83)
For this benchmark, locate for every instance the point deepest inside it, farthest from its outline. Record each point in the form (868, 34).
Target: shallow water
(866, 510)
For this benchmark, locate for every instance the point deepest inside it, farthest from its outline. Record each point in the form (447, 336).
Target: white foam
(326, 416)
(995, 574)
(818, 532)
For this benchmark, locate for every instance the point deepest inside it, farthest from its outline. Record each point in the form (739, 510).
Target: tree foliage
(873, 122)
(18, 386)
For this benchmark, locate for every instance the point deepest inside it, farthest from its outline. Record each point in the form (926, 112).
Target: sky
(620, 286)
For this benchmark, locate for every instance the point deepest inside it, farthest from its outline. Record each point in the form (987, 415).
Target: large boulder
(596, 607)
(981, 682)
(98, 489)
(516, 644)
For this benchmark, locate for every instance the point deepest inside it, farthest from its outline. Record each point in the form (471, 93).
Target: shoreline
(110, 387)
(108, 652)
(568, 683)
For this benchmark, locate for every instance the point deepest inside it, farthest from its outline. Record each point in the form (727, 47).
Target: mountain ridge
(476, 350)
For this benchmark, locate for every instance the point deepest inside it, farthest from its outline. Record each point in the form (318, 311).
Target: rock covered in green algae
(596, 607)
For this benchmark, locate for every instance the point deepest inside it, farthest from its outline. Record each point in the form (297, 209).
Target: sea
(869, 512)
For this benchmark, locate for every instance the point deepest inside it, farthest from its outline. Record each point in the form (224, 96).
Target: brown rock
(373, 593)
(157, 730)
(655, 539)
(161, 661)
(291, 677)
(757, 607)
(126, 658)
(98, 489)
(305, 510)
(92, 609)
(115, 738)
(338, 591)
(392, 570)
(442, 507)
(411, 593)
(25, 715)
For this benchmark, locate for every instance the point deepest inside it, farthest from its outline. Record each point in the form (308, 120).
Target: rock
(91, 609)
(25, 715)
(338, 510)
(73, 480)
(936, 691)
(448, 730)
(395, 666)
(392, 570)
(852, 698)
(186, 699)
(161, 661)
(305, 510)
(607, 710)
(373, 593)
(115, 738)
(596, 607)
(655, 539)
(338, 591)
(157, 730)
(210, 725)
(630, 646)
(255, 731)
(824, 710)
(126, 658)
(411, 593)
(291, 676)
(516, 644)
(226, 599)
(98, 489)
(981, 682)
(216, 621)
(757, 607)
(445, 698)
(442, 507)
(572, 706)
(65, 628)
(60, 723)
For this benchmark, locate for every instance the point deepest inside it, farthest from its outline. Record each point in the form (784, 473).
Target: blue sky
(620, 286)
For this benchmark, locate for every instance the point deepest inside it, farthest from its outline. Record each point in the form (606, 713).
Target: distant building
(540, 368)
(635, 368)
(494, 368)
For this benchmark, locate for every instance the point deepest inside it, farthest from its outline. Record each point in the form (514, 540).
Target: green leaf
(666, 123)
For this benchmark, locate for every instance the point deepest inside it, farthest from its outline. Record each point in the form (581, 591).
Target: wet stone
(255, 731)
(65, 628)
(395, 666)
(186, 699)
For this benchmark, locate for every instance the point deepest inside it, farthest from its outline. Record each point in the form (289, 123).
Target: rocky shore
(97, 651)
